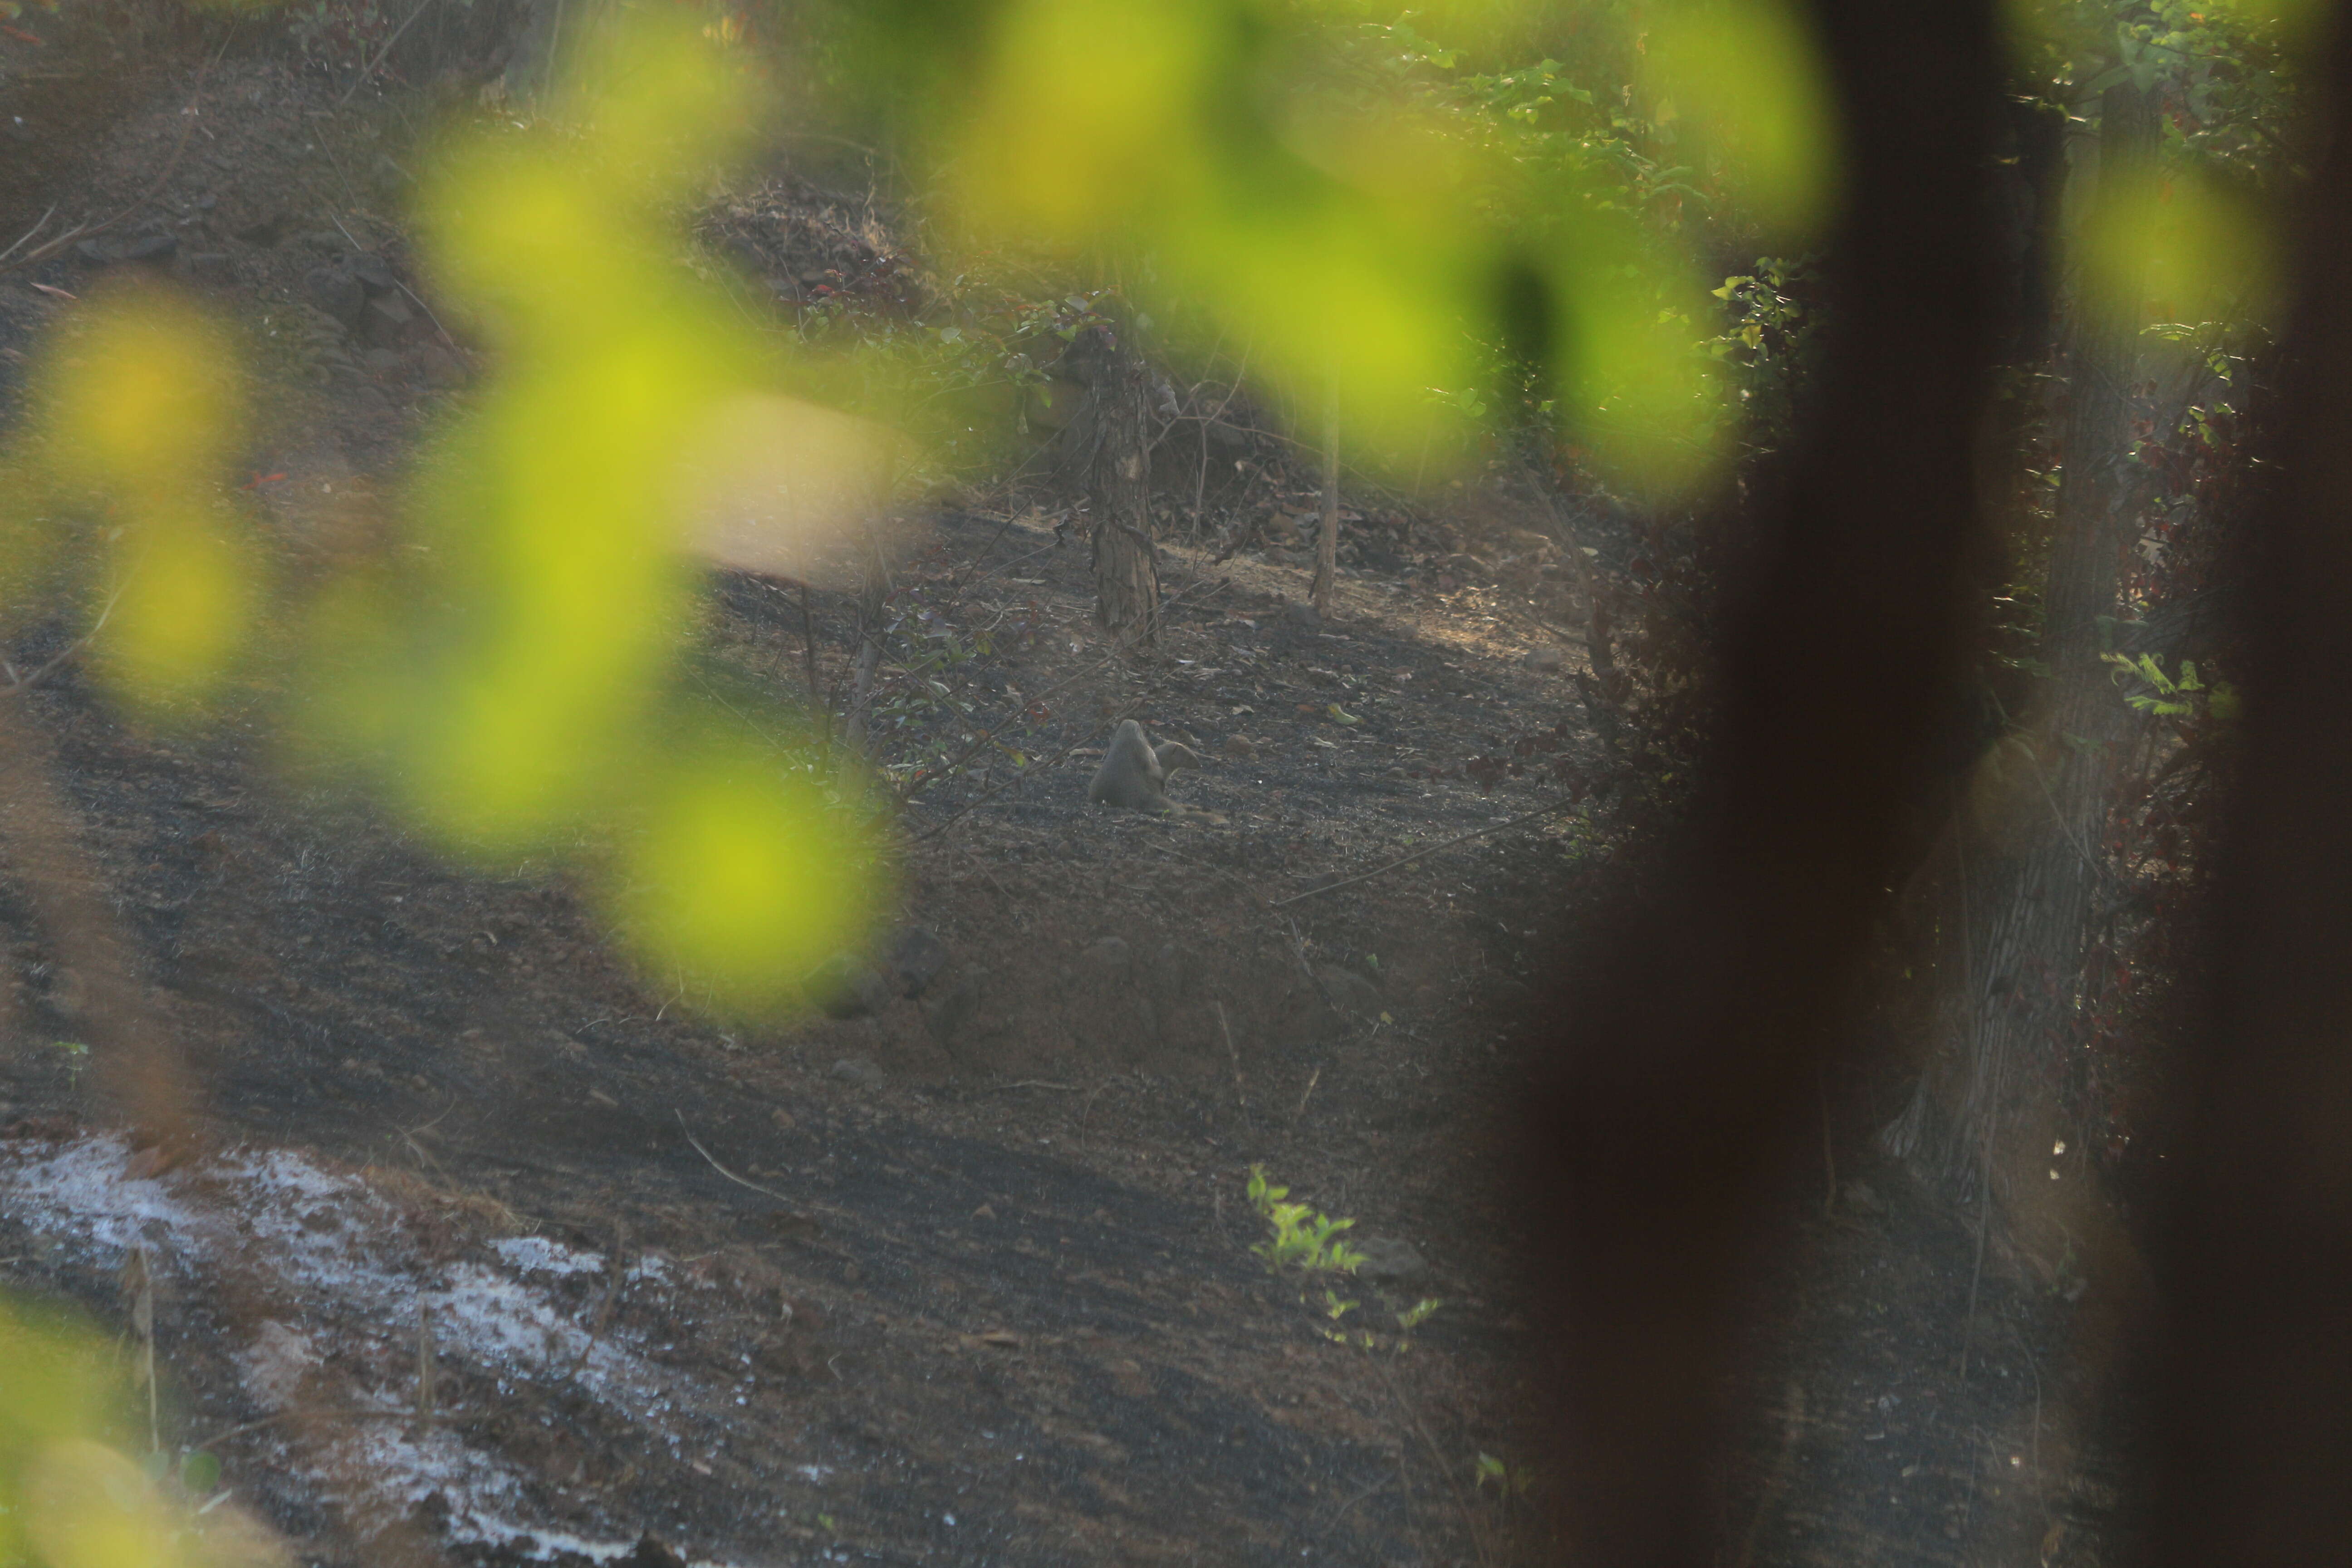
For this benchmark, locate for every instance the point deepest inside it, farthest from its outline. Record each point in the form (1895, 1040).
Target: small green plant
(1411, 1317)
(1506, 1479)
(2170, 697)
(77, 1058)
(1300, 1237)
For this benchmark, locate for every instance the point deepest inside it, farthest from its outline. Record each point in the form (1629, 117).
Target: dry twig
(789, 1205)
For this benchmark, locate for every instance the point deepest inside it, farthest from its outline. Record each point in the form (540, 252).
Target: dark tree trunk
(1110, 452)
(1695, 1018)
(2256, 1431)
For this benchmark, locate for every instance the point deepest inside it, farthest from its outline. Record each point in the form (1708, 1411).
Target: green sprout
(1300, 1237)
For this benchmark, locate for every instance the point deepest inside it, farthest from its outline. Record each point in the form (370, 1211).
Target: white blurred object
(786, 488)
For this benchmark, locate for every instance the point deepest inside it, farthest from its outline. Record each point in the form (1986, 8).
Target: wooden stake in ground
(873, 606)
(1241, 1101)
(1327, 546)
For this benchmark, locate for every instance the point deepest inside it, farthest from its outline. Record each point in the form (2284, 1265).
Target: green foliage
(1299, 1237)
(1413, 1316)
(1384, 209)
(2150, 690)
(2230, 72)
(1772, 338)
(507, 674)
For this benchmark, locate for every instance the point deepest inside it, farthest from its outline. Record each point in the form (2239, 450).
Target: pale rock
(863, 1071)
(1390, 1261)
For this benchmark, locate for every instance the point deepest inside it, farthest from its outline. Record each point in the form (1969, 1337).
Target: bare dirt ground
(966, 1279)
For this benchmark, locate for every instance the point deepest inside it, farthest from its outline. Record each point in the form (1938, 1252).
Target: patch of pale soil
(335, 1273)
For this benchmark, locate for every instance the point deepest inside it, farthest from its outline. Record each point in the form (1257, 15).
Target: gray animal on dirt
(1134, 773)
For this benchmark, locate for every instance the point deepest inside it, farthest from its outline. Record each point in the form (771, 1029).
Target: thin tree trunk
(2039, 903)
(1597, 629)
(861, 688)
(1117, 471)
(1327, 547)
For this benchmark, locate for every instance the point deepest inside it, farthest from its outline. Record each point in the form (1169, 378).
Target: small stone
(1546, 659)
(1389, 1261)
(152, 249)
(390, 310)
(209, 267)
(862, 1071)
(846, 987)
(915, 960)
(1241, 747)
(373, 274)
(336, 292)
(1350, 992)
(387, 320)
